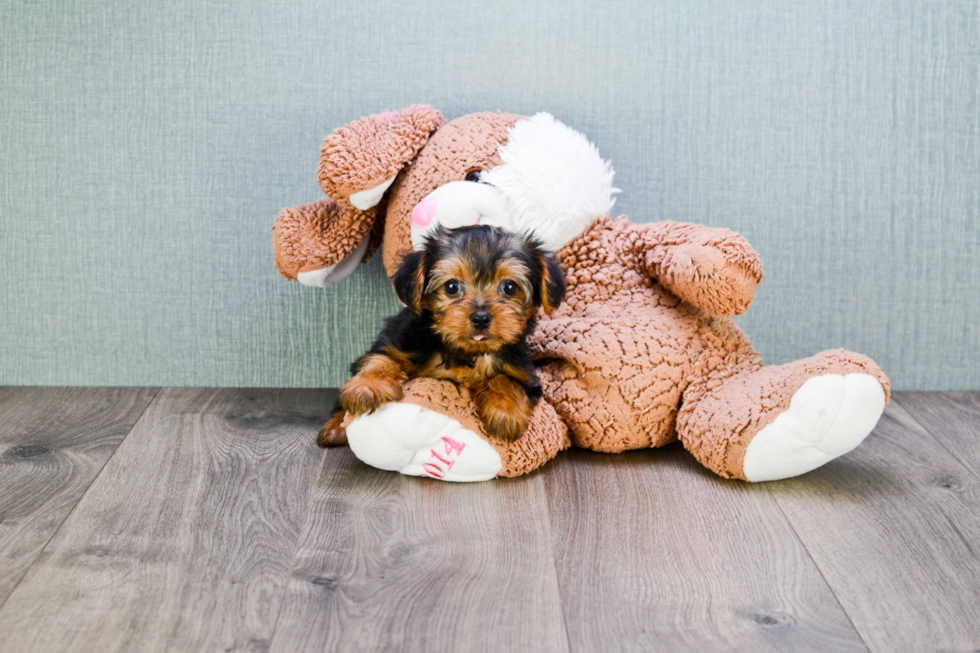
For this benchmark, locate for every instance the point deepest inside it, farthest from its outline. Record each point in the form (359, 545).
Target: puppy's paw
(366, 393)
(333, 433)
(504, 426)
(504, 408)
(503, 417)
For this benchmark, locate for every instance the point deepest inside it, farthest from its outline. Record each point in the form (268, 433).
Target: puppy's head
(481, 284)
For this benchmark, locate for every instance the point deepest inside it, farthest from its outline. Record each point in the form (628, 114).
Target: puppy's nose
(480, 320)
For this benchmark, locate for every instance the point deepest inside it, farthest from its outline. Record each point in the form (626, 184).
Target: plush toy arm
(714, 269)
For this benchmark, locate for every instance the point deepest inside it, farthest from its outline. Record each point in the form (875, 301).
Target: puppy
(471, 296)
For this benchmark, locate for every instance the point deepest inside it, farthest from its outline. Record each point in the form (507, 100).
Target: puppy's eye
(451, 287)
(509, 288)
(474, 175)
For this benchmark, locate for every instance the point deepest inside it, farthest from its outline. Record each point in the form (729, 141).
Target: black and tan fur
(471, 295)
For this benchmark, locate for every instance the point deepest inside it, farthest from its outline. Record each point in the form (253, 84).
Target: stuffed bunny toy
(642, 353)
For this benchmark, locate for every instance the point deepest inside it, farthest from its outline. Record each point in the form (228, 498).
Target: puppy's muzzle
(480, 320)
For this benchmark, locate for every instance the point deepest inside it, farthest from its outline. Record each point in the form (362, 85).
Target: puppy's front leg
(333, 434)
(503, 406)
(377, 382)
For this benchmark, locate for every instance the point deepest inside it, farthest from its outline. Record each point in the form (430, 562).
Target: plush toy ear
(409, 280)
(321, 243)
(359, 162)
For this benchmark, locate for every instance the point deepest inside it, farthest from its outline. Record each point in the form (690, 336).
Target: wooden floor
(207, 520)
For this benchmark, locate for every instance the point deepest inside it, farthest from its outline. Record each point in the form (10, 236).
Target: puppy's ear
(409, 280)
(552, 283)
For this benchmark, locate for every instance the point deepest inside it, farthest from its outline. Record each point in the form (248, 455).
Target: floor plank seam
(554, 560)
(833, 592)
(892, 525)
(937, 440)
(54, 532)
(298, 545)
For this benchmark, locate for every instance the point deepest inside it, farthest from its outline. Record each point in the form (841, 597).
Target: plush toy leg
(784, 421)
(433, 431)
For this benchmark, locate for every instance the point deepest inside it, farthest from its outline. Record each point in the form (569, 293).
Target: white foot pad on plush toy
(827, 417)
(412, 440)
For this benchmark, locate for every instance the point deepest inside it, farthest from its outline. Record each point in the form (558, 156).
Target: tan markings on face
(451, 312)
(516, 271)
(509, 313)
(445, 270)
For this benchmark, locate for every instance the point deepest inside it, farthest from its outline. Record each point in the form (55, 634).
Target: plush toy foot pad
(409, 439)
(827, 417)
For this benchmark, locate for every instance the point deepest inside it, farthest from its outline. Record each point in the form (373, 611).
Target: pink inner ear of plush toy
(468, 143)
(423, 213)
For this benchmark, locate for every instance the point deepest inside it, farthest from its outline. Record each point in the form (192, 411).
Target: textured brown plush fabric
(355, 158)
(623, 348)
(631, 366)
(643, 351)
(370, 151)
(545, 436)
(316, 235)
(717, 424)
(714, 269)
(462, 146)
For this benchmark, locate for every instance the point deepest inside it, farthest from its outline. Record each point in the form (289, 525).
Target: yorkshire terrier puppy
(471, 295)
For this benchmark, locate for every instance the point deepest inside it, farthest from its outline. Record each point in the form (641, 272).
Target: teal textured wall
(145, 149)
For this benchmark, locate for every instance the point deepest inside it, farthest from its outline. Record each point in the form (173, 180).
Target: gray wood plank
(654, 552)
(53, 444)
(396, 563)
(185, 540)
(894, 527)
(952, 418)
